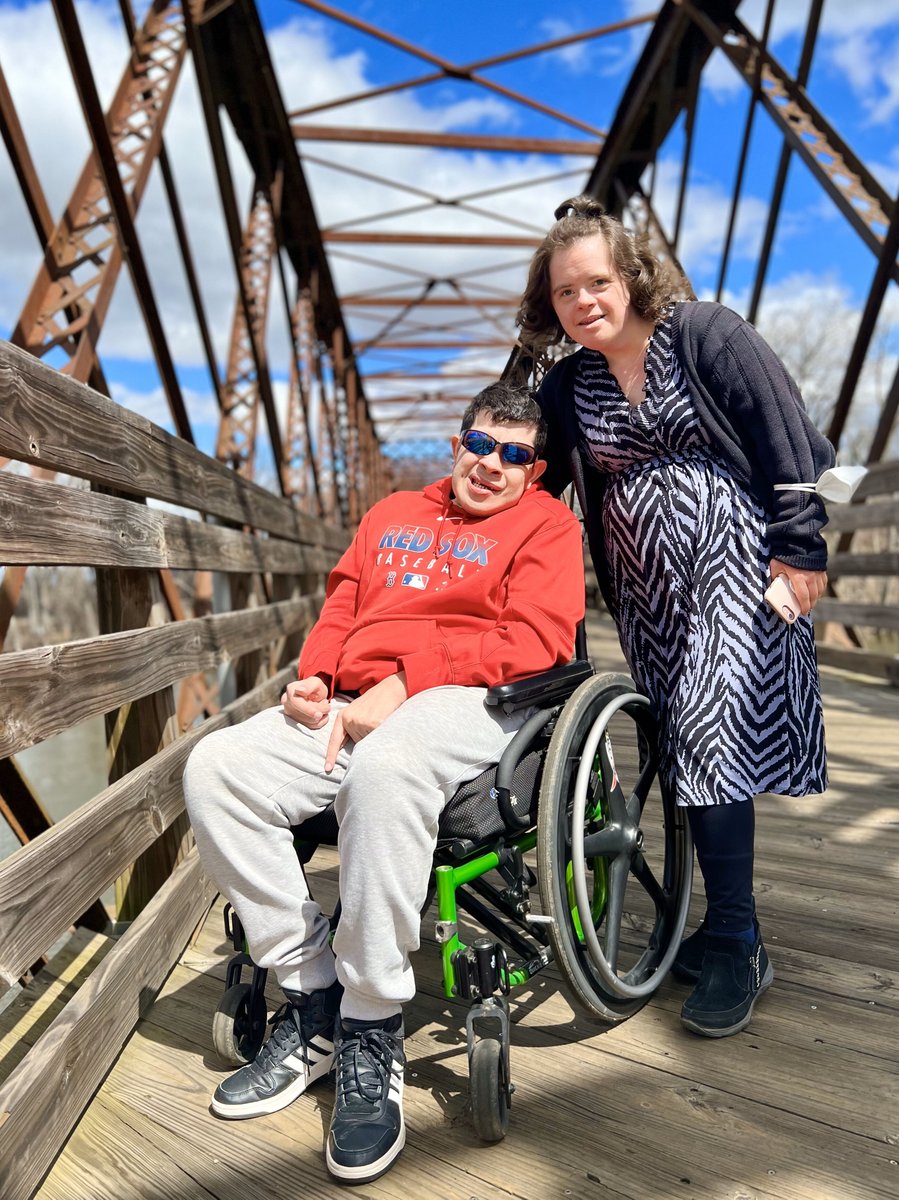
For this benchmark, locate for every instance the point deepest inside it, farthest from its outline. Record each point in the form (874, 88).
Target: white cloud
(858, 40)
(871, 65)
(577, 56)
(705, 218)
(811, 322)
(201, 406)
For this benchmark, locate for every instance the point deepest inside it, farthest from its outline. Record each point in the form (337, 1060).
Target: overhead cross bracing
(408, 168)
(439, 263)
(417, 168)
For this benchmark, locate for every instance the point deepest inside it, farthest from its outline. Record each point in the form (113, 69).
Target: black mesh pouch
(474, 813)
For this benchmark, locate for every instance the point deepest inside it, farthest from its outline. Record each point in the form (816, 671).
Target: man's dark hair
(507, 405)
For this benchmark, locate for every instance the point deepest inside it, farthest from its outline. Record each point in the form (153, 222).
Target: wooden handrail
(53, 422)
(48, 523)
(83, 853)
(51, 688)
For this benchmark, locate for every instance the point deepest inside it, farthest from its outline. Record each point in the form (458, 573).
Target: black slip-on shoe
(734, 975)
(687, 965)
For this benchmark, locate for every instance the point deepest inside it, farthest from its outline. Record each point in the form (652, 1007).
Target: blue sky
(818, 258)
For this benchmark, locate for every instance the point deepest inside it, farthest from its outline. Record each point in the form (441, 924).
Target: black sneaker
(734, 975)
(299, 1050)
(367, 1129)
(687, 965)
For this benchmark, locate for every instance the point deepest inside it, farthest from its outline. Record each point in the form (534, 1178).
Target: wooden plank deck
(804, 1105)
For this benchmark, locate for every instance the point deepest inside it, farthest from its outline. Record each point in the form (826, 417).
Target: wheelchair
(577, 790)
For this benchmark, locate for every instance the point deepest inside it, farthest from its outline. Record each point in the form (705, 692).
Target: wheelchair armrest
(546, 689)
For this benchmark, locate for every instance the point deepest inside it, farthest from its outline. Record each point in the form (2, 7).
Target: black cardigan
(752, 417)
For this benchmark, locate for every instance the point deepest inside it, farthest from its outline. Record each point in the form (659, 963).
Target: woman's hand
(306, 702)
(366, 713)
(808, 586)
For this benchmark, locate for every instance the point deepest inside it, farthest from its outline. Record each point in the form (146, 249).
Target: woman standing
(676, 422)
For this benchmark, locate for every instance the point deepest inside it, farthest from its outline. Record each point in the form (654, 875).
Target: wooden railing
(275, 561)
(875, 508)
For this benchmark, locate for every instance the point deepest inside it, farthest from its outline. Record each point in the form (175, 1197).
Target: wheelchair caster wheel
(238, 1026)
(489, 1090)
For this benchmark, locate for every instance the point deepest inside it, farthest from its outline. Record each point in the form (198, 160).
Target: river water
(64, 772)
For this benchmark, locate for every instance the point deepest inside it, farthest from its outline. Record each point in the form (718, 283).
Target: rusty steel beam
(655, 95)
(435, 345)
(780, 179)
(876, 293)
(744, 154)
(68, 300)
(118, 150)
(236, 441)
(418, 397)
(187, 260)
(399, 373)
(886, 423)
(647, 223)
(329, 469)
(447, 69)
(82, 257)
(411, 210)
(39, 211)
(345, 256)
(432, 301)
(233, 226)
(428, 239)
(463, 71)
(347, 427)
(452, 201)
(396, 322)
(439, 428)
(190, 272)
(23, 165)
(299, 468)
(689, 128)
(863, 201)
(235, 74)
(442, 141)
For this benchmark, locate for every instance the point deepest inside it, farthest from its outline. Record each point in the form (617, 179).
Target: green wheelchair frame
(590, 838)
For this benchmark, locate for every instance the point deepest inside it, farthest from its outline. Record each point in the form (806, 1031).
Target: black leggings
(723, 835)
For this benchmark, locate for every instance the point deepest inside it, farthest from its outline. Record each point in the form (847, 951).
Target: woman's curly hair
(651, 283)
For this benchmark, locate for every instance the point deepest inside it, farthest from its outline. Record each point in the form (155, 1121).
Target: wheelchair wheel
(614, 856)
(238, 1025)
(489, 1097)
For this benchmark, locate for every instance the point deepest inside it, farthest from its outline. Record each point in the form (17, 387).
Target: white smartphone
(782, 599)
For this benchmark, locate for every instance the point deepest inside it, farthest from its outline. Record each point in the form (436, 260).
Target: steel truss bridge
(206, 579)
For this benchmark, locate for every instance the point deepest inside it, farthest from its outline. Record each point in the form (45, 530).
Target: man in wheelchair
(476, 580)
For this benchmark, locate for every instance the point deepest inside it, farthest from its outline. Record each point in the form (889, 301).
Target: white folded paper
(837, 484)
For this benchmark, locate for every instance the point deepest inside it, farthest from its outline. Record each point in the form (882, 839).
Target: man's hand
(366, 713)
(306, 702)
(808, 586)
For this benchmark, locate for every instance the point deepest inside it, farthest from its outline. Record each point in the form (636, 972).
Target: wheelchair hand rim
(616, 985)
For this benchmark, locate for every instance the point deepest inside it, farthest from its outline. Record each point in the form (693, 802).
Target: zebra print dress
(734, 688)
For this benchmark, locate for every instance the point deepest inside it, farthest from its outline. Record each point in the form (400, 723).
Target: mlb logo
(415, 581)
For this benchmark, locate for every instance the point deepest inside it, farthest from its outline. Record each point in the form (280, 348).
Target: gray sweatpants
(245, 786)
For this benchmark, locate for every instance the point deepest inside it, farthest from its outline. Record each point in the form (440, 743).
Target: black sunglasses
(516, 454)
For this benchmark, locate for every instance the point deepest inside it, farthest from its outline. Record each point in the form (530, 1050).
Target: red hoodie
(450, 598)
